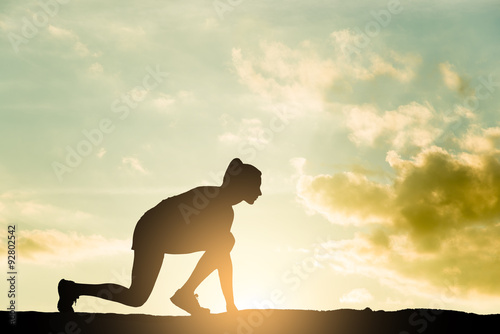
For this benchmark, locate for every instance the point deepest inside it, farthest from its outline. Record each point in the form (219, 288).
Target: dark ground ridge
(343, 321)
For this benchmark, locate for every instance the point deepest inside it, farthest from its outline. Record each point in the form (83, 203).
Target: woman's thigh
(198, 243)
(145, 269)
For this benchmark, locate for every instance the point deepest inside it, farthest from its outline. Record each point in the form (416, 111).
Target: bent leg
(217, 257)
(144, 273)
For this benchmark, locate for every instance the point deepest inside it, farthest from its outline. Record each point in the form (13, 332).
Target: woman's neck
(228, 197)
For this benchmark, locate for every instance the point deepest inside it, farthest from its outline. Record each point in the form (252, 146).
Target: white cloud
(185, 96)
(134, 164)
(364, 64)
(81, 49)
(95, 68)
(296, 78)
(126, 35)
(163, 102)
(357, 296)
(249, 130)
(102, 152)
(61, 33)
(128, 31)
(299, 78)
(138, 93)
(409, 125)
(229, 138)
(210, 23)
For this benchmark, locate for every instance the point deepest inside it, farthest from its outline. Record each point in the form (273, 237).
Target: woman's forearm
(226, 279)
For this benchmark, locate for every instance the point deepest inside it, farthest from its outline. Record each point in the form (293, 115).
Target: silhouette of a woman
(197, 220)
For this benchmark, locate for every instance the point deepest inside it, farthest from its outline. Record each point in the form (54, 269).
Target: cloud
(359, 256)
(408, 126)
(249, 130)
(49, 247)
(102, 152)
(95, 68)
(480, 140)
(210, 23)
(345, 198)
(138, 93)
(438, 218)
(438, 192)
(281, 74)
(163, 101)
(61, 33)
(126, 35)
(134, 164)
(365, 64)
(64, 34)
(300, 78)
(453, 80)
(19, 207)
(357, 296)
(229, 138)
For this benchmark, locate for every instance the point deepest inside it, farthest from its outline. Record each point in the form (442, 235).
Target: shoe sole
(198, 311)
(59, 291)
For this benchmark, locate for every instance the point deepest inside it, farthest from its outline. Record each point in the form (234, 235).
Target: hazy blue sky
(375, 124)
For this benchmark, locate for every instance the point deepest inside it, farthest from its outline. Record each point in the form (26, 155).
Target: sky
(375, 125)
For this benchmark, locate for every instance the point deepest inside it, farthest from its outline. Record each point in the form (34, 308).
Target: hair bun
(236, 162)
(237, 171)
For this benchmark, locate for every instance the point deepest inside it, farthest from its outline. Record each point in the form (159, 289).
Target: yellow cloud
(56, 247)
(438, 192)
(453, 80)
(346, 198)
(18, 207)
(440, 218)
(479, 140)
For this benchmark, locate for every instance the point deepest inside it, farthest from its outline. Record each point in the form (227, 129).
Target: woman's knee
(138, 299)
(224, 244)
(139, 291)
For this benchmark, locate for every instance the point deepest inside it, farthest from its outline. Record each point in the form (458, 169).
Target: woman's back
(189, 217)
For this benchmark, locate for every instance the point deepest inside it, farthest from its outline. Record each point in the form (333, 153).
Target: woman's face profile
(252, 190)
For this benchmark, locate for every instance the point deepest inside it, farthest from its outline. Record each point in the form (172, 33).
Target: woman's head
(243, 181)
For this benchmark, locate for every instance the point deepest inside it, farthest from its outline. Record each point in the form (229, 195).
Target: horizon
(375, 125)
(265, 321)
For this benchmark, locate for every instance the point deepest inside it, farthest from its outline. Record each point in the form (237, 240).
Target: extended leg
(144, 273)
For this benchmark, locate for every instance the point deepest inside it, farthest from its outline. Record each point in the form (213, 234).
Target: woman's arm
(226, 281)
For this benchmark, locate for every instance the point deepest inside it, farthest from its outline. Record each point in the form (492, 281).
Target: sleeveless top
(184, 223)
